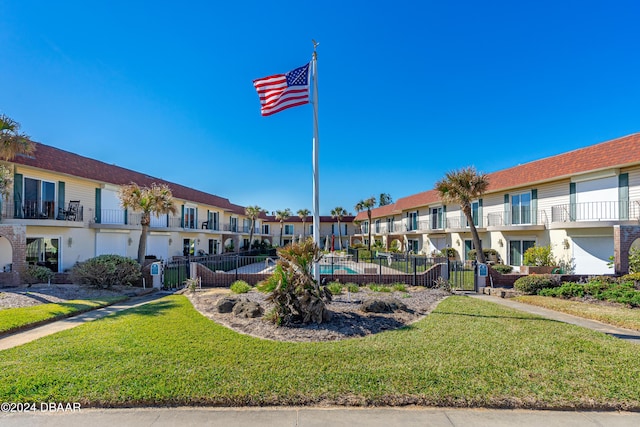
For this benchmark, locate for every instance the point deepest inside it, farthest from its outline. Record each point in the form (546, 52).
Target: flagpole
(316, 195)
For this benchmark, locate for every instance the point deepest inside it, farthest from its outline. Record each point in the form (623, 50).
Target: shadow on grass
(515, 317)
(152, 308)
(351, 324)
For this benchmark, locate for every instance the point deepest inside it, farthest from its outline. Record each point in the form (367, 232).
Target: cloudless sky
(408, 90)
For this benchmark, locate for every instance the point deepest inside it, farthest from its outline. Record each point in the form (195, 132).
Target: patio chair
(71, 213)
(205, 225)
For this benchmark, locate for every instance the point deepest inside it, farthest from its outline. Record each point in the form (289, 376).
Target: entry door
(517, 248)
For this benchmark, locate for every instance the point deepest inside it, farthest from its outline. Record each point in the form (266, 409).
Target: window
(213, 246)
(189, 217)
(468, 246)
(43, 251)
(188, 247)
(39, 199)
(521, 208)
(311, 230)
(265, 229)
(288, 229)
(413, 246)
(215, 216)
(475, 210)
(233, 224)
(365, 227)
(389, 226)
(413, 221)
(246, 225)
(245, 244)
(333, 229)
(517, 248)
(377, 226)
(436, 218)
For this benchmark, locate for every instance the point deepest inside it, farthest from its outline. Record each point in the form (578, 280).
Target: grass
(614, 315)
(16, 318)
(466, 353)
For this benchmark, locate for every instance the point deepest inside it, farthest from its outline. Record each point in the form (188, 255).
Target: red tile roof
(54, 159)
(617, 153)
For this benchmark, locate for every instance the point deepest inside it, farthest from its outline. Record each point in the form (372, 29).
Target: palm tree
(338, 213)
(253, 212)
(156, 200)
(367, 204)
(12, 142)
(282, 216)
(463, 186)
(385, 199)
(303, 214)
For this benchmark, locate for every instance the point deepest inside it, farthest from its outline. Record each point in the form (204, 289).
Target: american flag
(282, 91)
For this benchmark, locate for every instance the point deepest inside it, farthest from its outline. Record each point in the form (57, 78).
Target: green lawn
(614, 315)
(466, 353)
(14, 318)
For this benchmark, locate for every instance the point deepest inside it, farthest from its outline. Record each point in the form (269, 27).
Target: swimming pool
(331, 269)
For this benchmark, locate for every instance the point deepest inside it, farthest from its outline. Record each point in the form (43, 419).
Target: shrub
(353, 288)
(566, 290)
(400, 287)
(104, 271)
(442, 283)
(487, 252)
(270, 283)
(502, 268)
(632, 278)
(335, 288)
(539, 256)
(530, 285)
(379, 288)
(38, 274)
(297, 297)
(634, 260)
(240, 287)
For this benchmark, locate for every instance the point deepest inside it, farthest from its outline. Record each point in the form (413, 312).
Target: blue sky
(408, 90)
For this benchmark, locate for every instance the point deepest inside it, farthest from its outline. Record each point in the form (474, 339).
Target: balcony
(518, 219)
(45, 212)
(594, 214)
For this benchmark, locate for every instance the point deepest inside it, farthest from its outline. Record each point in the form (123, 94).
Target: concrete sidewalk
(22, 337)
(313, 417)
(628, 335)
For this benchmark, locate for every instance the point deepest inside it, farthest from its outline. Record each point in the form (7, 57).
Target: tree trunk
(339, 236)
(474, 233)
(281, 227)
(142, 245)
(253, 221)
(369, 228)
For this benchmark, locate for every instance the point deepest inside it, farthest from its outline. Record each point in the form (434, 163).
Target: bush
(502, 268)
(335, 288)
(530, 285)
(353, 288)
(104, 271)
(634, 260)
(240, 287)
(487, 252)
(270, 283)
(539, 256)
(38, 274)
(400, 287)
(566, 290)
(379, 288)
(632, 278)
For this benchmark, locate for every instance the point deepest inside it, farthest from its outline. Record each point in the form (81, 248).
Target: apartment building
(295, 228)
(584, 203)
(64, 208)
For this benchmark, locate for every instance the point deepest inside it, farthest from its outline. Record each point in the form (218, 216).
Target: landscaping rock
(226, 304)
(382, 305)
(247, 309)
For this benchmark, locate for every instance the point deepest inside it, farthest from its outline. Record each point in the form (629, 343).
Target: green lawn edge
(466, 353)
(612, 315)
(16, 319)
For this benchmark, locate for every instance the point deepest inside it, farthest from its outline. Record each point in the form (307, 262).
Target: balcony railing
(41, 210)
(517, 217)
(596, 211)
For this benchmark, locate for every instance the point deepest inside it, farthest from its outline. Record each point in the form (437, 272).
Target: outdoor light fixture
(500, 243)
(70, 241)
(130, 241)
(170, 241)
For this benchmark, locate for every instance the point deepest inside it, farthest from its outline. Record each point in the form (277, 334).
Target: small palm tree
(463, 186)
(156, 200)
(282, 216)
(367, 204)
(303, 214)
(12, 142)
(253, 212)
(385, 199)
(338, 213)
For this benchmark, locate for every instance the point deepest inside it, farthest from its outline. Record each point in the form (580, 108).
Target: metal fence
(387, 268)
